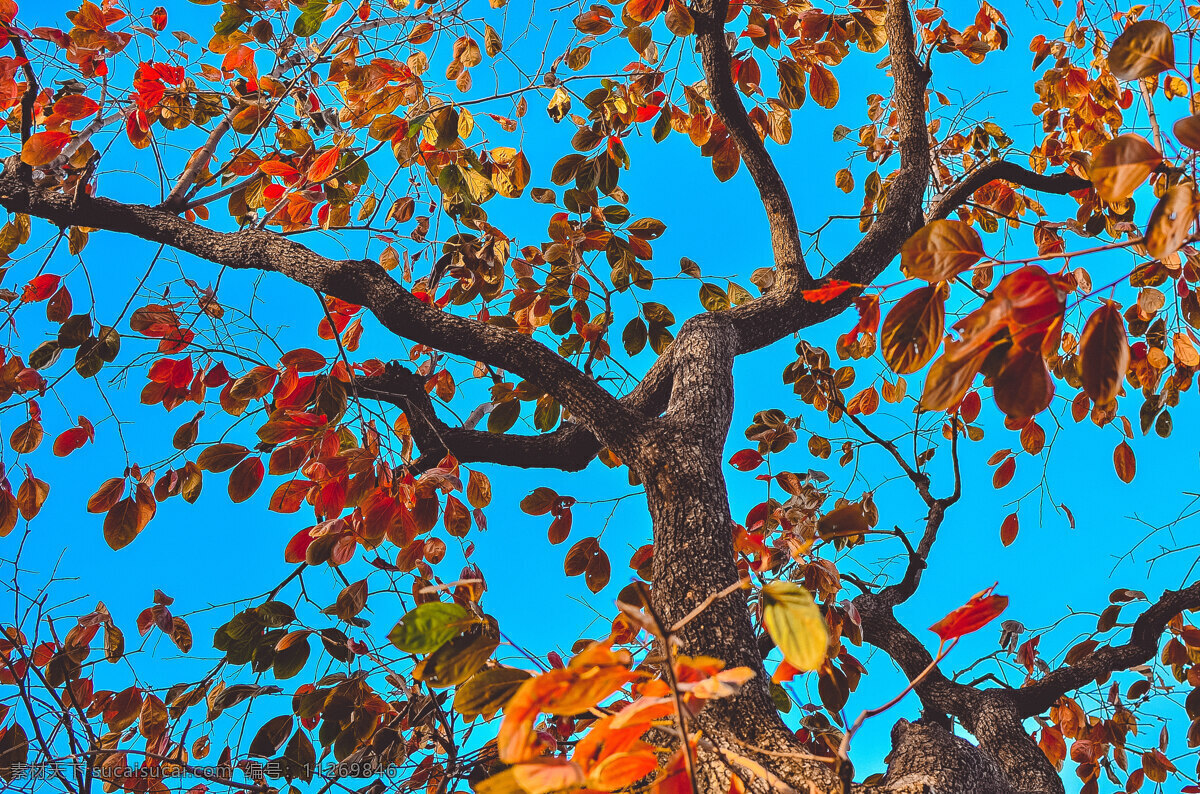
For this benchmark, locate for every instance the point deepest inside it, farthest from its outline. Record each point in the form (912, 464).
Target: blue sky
(206, 554)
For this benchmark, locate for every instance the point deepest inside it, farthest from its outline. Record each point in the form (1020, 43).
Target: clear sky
(209, 553)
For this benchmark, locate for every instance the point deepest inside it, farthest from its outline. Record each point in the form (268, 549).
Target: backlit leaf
(795, 623)
(1145, 48)
(981, 609)
(913, 329)
(941, 250)
(1122, 165)
(1171, 220)
(428, 627)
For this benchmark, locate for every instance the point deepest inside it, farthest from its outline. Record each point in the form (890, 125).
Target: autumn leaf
(1187, 131)
(981, 609)
(1124, 462)
(795, 623)
(40, 288)
(324, 165)
(1104, 354)
(828, 290)
(1122, 165)
(941, 250)
(913, 329)
(823, 86)
(43, 147)
(1145, 48)
(1171, 220)
(429, 627)
(746, 460)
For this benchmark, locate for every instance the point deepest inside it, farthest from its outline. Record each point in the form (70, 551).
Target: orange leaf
(1122, 165)
(73, 107)
(323, 166)
(1124, 462)
(42, 147)
(1171, 221)
(644, 10)
(971, 616)
(914, 328)
(546, 775)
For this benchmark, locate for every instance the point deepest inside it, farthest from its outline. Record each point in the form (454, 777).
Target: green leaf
(461, 658)
(488, 691)
(428, 627)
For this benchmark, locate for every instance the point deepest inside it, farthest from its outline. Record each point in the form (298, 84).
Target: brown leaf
(1145, 48)
(1187, 130)
(245, 479)
(1104, 354)
(580, 556)
(221, 457)
(121, 524)
(941, 250)
(1023, 386)
(913, 329)
(26, 437)
(1171, 220)
(1008, 529)
(1124, 462)
(823, 86)
(1122, 165)
(31, 495)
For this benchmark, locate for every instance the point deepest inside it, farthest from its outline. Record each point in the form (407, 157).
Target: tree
(300, 119)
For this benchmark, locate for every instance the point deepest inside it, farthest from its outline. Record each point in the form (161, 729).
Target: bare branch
(1143, 644)
(957, 194)
(718, 71)
(784, 309)
(361, 282)
(570, 447)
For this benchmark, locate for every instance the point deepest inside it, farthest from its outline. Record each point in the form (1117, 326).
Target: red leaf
(746, 460)
(971, 616)
(40, 288)
(828, 291)
(158, 19)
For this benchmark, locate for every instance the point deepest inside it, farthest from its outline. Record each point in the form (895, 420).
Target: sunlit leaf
(796, 624)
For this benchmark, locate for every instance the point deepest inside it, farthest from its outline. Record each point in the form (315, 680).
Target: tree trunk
(679, 460)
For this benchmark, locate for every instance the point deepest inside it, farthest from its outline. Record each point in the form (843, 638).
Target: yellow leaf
(795, 623)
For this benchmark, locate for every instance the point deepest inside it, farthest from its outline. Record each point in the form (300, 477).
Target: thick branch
(958, 193)
(785, 310)
(718, 73)
(362, 282)
(569, 448)
(1142, 645)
